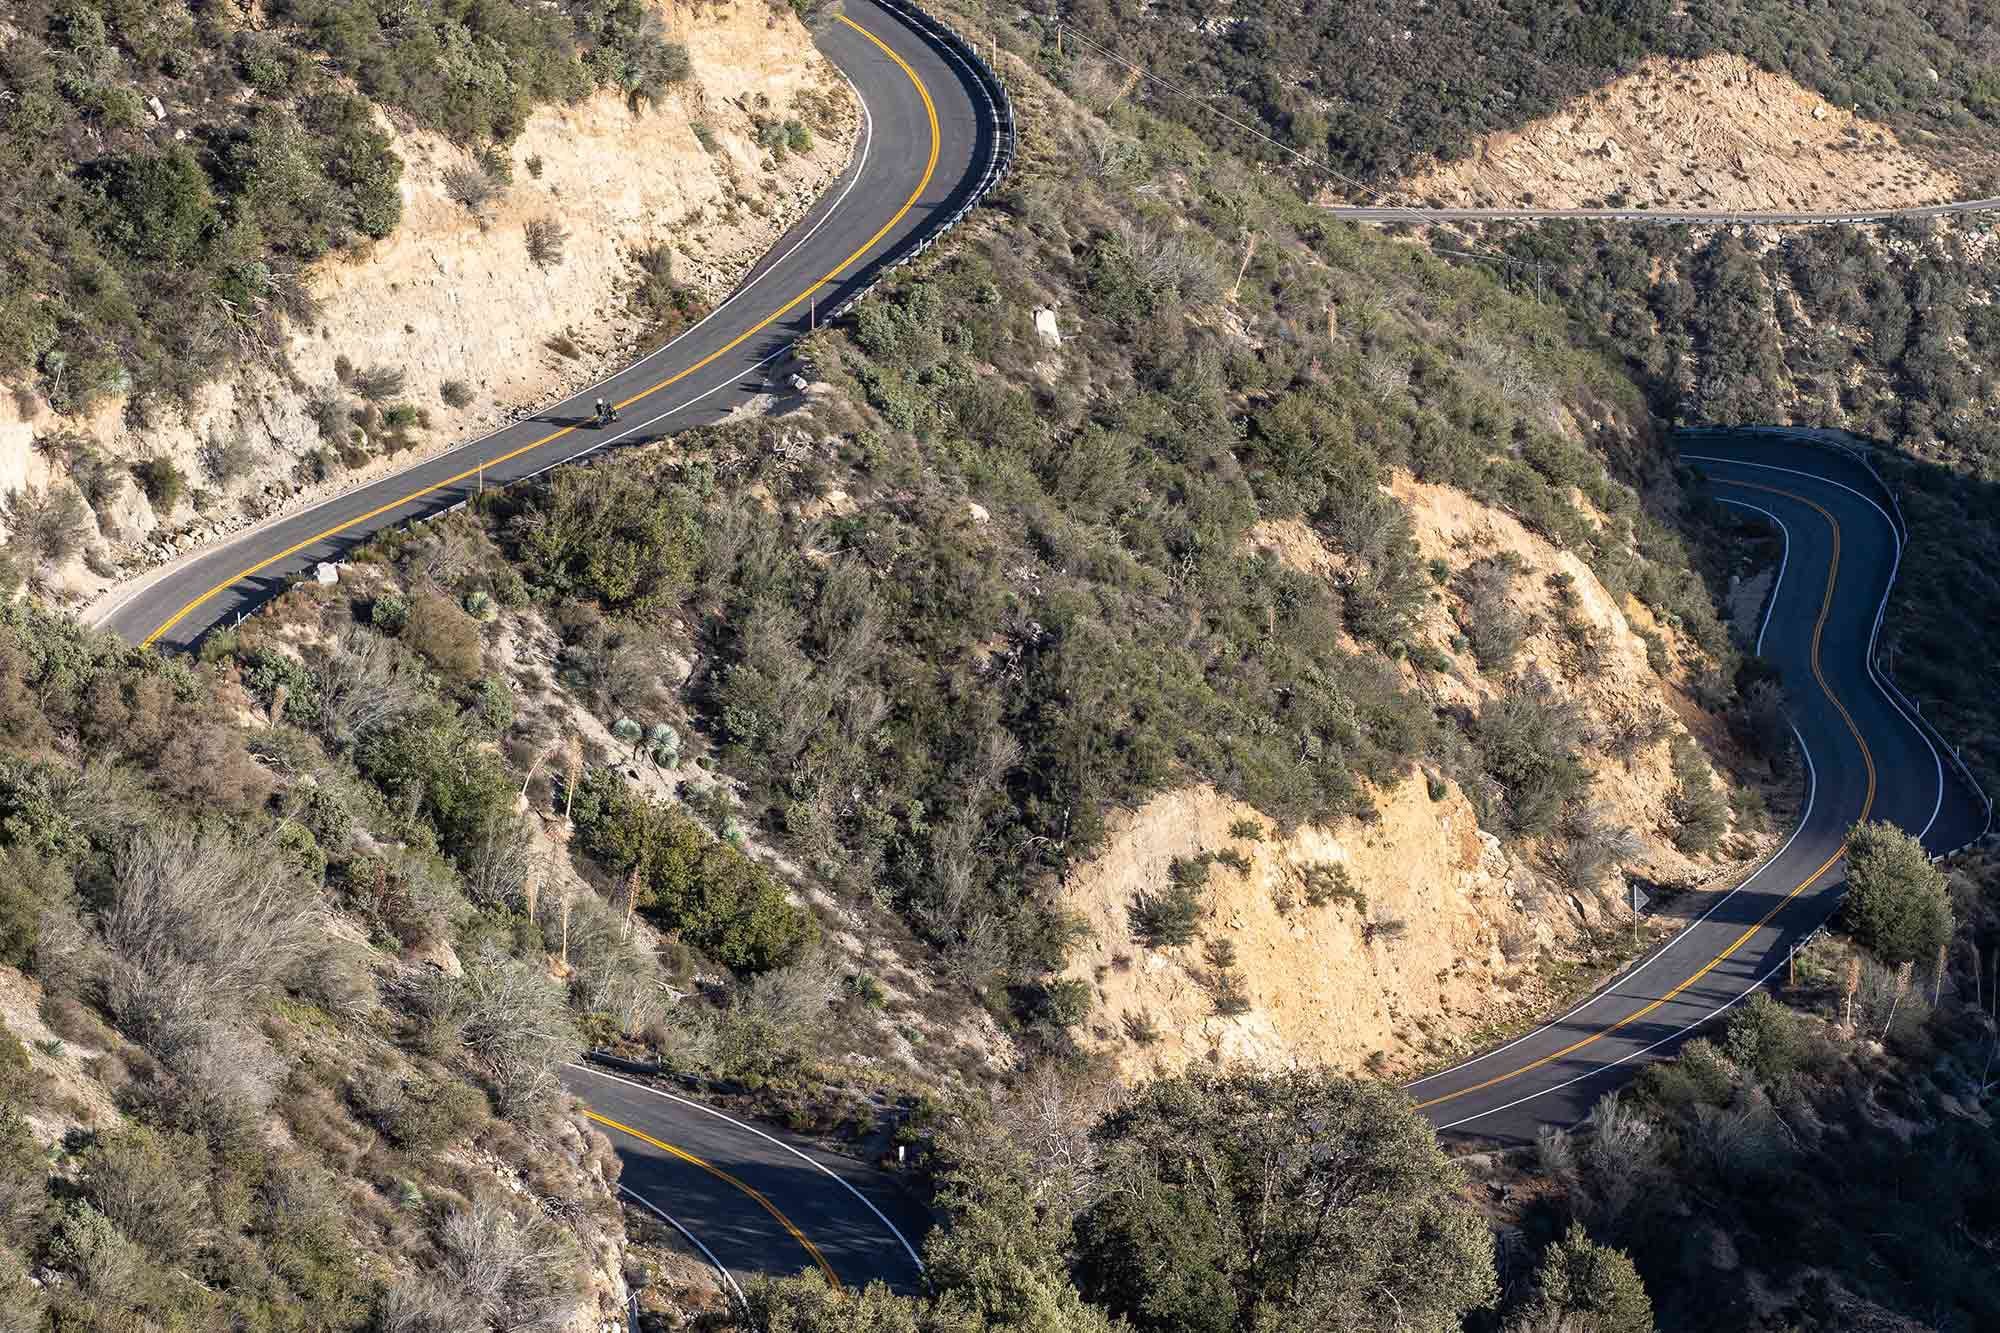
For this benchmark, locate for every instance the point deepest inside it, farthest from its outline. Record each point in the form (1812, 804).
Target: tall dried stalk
(572, 772)
(1849, 991)
(1902, 988)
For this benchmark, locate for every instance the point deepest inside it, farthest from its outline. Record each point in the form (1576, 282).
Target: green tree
(1238, 1201)
(1583, 1287)
(720, 900)
(611, 533)
(998, 1264)
(1896, 901)
(808, 1304)
(164, 209)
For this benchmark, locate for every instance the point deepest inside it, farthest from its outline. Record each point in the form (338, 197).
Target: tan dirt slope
(452, 294)
(1711, 133)
(1458, 935)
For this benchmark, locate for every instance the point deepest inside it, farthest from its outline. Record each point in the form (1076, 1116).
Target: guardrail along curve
(1857, 450)
(1006, 132)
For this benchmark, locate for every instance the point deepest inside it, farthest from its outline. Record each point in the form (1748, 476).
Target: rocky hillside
(1881, 332)
(1286, 522)
(1717, 132)
(268, 1056)
(514, 271)
(1395, 940)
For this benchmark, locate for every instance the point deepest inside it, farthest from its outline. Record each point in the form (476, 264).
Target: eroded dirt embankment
(1711, 133)
(454, 296)
(1447, 935)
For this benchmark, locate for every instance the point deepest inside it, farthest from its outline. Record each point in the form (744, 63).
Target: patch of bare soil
(1711, 133)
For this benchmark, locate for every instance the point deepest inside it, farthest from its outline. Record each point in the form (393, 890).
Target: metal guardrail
(1901, 528)
(1006, 132)
(999, 106)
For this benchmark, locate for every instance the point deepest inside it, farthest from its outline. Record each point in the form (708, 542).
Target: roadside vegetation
(1375, 89)
(987, 590)
(1818, 1160)
(271, 1054)
(174, 171)
(1878, 331)
(763, 754)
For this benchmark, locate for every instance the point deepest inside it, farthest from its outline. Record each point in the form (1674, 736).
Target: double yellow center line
(1867, 805)
(763, 1200)
(930, 169)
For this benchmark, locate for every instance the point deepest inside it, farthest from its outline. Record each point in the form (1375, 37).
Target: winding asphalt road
(757, 1200)
(1864, 759)
(753, 1200)
(1661, 216)
(926, 142)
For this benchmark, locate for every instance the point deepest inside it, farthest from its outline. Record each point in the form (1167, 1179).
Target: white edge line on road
(1732, 1002)
(98, 617)
(1881, 610)
(693, 1240)
(821, 1167)
(1805, 816)
(1784, 559)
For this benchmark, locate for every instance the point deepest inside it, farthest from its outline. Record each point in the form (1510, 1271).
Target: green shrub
(1896, 903)
(1332, 882)
(544, 238)
(162, 482)
(17, 1073)
(1526, 741)
(445, 635)
(1583, 1285)
(389, 612)
(716, 897)
(43, 526)
(433, 762)
(1492, 625)
(378, 384)
(609, 533)
(163, 209)
(1167, 917)
(1699, 811)
(420, 1116)
(455, 393)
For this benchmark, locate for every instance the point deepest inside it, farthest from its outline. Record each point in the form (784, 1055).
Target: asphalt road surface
(926, 142)
(758, 1201)
(1663, 216)
(754, 1200)
(1864, 759)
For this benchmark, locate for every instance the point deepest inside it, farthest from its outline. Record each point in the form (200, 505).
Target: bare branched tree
(199, 923)
(517, 1021)
(1050, 1113)
(522, 1271)
(366, 682)
(1590, 844)
(498, 865)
